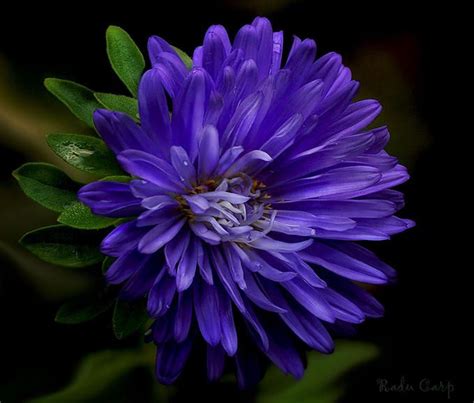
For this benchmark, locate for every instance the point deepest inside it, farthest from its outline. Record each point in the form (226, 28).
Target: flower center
(230, 209)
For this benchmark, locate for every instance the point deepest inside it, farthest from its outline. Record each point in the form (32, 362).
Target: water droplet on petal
(185, 163)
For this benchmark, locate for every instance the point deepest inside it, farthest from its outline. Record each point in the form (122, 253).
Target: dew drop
(185, 163)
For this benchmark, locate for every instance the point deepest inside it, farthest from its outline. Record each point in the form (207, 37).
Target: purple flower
(246, 201)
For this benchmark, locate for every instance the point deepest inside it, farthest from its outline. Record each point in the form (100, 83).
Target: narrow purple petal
(120, 132)
(184, 316)
(215, 49)
(277, 51)
(175, 249)
(265, 45)
(161, 295)
(153, 109)
(205, 267)
(112, 199)
(336, 182)
(170, 360)
(142, 280)
(160, 235)
(256, 295)
(226, 318)
(187, 266)
(206, 306)
(125, 266)
(346, 262)
(311, 299)
(150, 168)
(122, 239)
(215, 362)
(183, 165)
(247, 39)
(188, 116)
(226, 279)
(209, 152)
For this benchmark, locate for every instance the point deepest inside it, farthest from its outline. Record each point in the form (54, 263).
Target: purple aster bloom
(247, 199)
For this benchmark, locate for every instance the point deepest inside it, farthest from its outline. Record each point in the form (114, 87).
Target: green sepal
(83, 309)
(117, 178)
(79, 99)
(120, 103)
(78, 215)
(89, 154)
(188, 62)
(64, 246)
(107, 263)
(128, 317)
(125, 58)
(46, 185)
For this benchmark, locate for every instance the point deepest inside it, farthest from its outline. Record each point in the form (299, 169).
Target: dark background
(400, 55)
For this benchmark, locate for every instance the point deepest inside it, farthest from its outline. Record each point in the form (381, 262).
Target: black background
(420, 336)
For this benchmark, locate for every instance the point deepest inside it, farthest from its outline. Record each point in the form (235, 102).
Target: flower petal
(151, 168)
(208, 158)
(112, 199)
(206, 306)
(160, 235)
(170, 360)
(153, 109)
(120, 132)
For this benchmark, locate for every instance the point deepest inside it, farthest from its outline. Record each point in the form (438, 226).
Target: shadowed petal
(170, 360)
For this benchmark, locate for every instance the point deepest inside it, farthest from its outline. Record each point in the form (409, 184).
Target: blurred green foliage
(102, 377)
(322, 380)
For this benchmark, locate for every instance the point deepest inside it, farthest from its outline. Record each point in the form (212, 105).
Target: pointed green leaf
(117, 178)
(78, 215)
(128, 318)
(84, 308)
(120, 103)
(107, 263)
(79, 99)
(64, 246)
(184, 57)
(86, 153)
(46, 185)
(125, 57)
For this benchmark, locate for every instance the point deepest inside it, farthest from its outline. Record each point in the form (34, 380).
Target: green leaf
(99, 375)
(84, 308)
(319, 384)
(46, 185)
(64, 246)
(107, 263)
(89, 154)
(128, 318)
(117, 178)
(120, 103)
(184, 57)
(78, 215)
(125, 57)
(79, 99)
